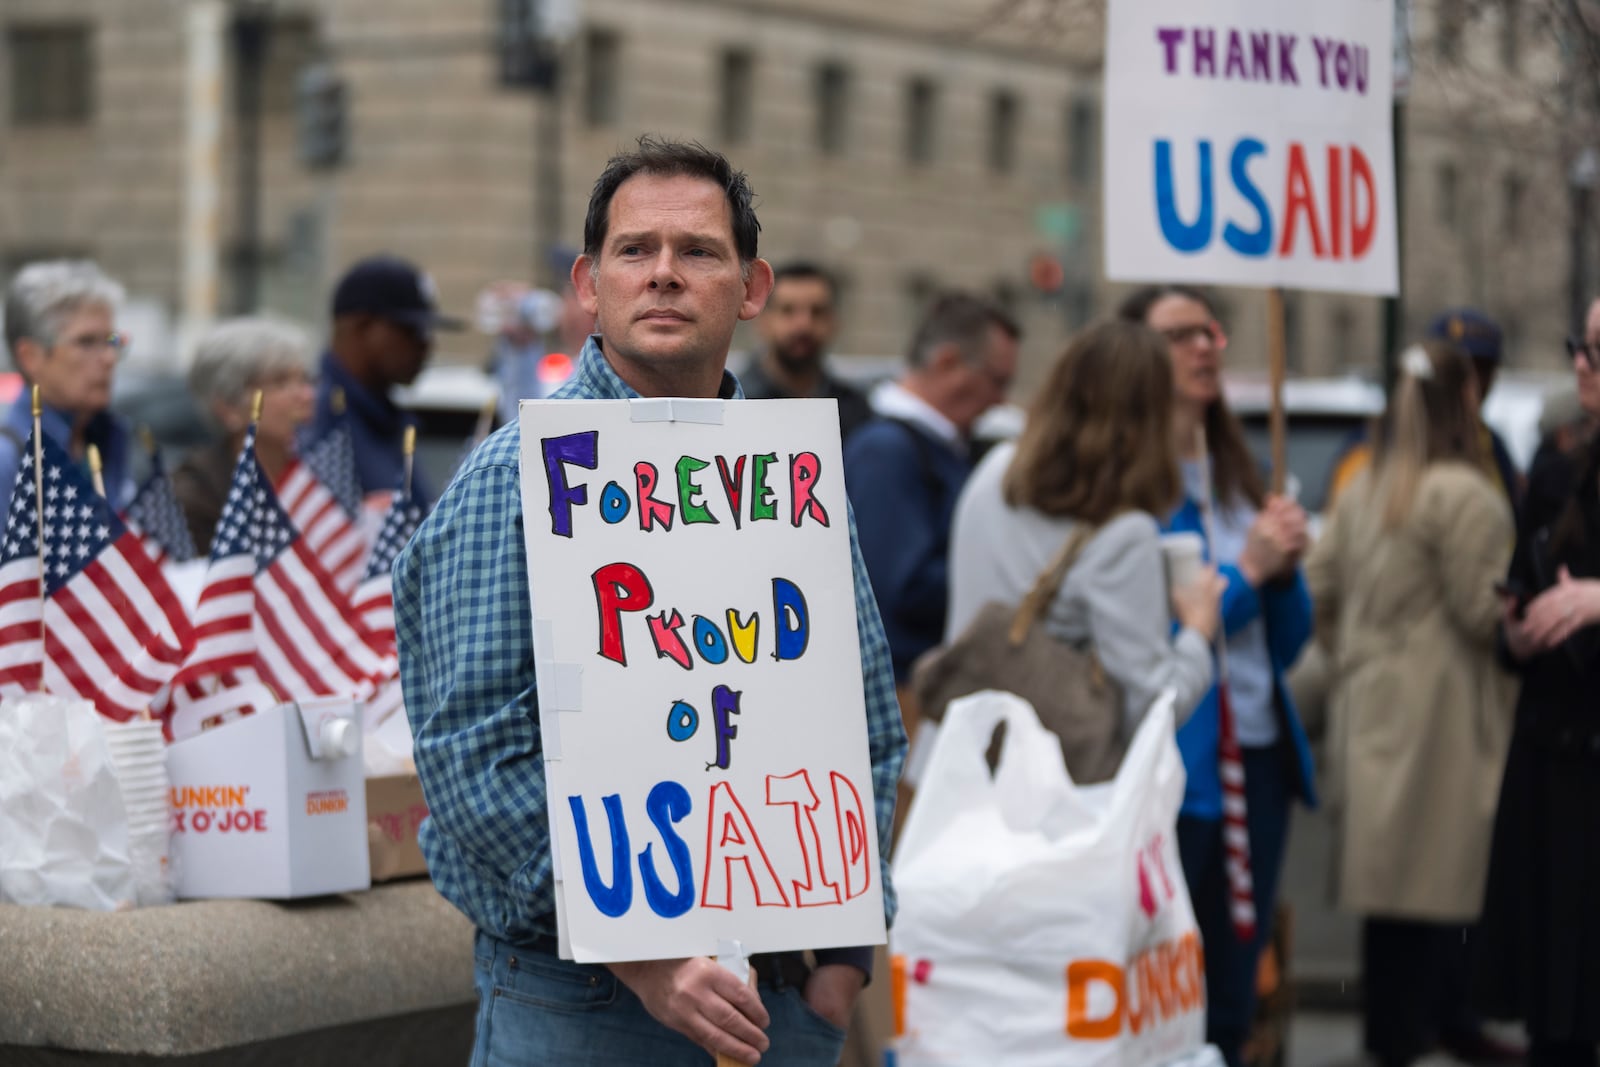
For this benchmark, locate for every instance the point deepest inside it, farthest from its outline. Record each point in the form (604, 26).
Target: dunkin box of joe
(272, 805)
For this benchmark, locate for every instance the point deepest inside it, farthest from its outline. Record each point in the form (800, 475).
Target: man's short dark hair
(805, 270)
(963, 319)
(664, 158)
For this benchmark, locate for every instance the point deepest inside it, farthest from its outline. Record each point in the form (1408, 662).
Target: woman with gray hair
(234, 360)
(60, 328)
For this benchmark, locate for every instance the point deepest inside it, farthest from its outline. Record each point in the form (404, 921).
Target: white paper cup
(1184, 555)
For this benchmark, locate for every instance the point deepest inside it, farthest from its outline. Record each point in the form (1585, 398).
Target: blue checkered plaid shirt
(466, 662)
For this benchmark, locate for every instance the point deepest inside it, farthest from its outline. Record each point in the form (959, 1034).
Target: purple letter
(1286, 73)
(1170, 37)
(1205, 53)
(579, 449)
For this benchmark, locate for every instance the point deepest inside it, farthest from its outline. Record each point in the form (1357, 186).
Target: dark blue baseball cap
(391, 288)
(1470, 330)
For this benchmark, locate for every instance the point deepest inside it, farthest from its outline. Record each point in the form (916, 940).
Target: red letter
(852, 826)
(619, 587)
(796, 789)
(803, 472)
(731, 838)
(664, 632)
(732, 484)
(651, 510)
(1336, 200)
(1298, 198)
(1361, 229)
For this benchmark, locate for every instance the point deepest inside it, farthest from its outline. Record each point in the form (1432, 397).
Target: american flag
(269, 611)
(374, 599)
(333, 460)
(331, 535)
(156, 516)
(113, 631)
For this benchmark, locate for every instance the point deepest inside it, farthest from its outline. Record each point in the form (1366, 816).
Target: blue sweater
(903, 483)
(1286, 607)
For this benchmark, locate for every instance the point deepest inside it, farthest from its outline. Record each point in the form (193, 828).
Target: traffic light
(321, 116)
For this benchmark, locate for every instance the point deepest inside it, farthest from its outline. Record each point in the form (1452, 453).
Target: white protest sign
(699, 677)
(1247, 142)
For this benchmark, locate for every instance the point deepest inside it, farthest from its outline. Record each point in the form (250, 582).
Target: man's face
(399, 349)
(798, 323)
(75, 373)
(667, 289)
(980, 386)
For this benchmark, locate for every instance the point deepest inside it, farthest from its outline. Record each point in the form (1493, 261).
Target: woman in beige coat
(1403, 585)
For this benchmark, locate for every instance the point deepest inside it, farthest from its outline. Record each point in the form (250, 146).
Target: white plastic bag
(1044, 924)
(63, 823)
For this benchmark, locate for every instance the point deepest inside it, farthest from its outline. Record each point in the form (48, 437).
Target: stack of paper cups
(139, 754)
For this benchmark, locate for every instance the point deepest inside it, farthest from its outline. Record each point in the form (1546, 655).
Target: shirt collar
(595, 378)
(895, 401)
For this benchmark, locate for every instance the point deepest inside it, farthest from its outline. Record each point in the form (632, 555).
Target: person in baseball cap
(385, 313)
(1481, 339)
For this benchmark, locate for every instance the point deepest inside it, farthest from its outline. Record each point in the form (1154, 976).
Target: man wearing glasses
(384, 318)
(60, 322)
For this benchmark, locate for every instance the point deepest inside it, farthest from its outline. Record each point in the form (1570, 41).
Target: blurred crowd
(1452, 600)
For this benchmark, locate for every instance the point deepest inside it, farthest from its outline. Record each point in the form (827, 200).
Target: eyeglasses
(89, 344)
(1584, 349)
(1194, 331)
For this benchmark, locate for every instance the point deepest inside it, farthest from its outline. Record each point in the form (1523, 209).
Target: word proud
(746, 497)
(834, 864)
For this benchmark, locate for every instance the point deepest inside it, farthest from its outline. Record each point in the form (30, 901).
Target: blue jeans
(534, 1008)
(1230, 963)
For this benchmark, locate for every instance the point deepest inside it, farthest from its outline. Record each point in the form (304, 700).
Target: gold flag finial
(37, 407)
(94, 459)
(336, 400)
(255, 406)
(409, 446)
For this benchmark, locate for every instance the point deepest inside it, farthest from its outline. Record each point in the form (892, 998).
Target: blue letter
(614, 505)
(1258, 243)
(682, 721)
(667, 804)
(792, 640)
(724, 702)
(1179, 234)
(579, 449)
(708, 641)
(613, 900)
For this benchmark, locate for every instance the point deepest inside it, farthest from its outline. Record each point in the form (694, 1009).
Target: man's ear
(757, 289)
(30, 356)
(583, 285)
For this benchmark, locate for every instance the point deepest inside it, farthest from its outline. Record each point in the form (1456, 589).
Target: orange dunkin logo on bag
(1160, 983)
(327, 802)
(202, 809)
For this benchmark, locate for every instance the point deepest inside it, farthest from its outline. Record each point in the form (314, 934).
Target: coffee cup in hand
(1184, 555)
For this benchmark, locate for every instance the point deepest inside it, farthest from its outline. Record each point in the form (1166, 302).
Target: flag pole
(38, 497)
(97, 471)
(410, 449)
(1277, 362)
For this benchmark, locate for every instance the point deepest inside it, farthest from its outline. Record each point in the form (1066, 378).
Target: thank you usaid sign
(699, 677)
(1247, 142)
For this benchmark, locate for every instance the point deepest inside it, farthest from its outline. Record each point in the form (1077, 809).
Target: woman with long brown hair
(1086, 456)
(1419, 716)
(1244, 748)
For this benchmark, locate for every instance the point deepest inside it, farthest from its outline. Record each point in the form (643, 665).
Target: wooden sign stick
(1277, 360)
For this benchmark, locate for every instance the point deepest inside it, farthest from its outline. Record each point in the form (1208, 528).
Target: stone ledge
(203, 975)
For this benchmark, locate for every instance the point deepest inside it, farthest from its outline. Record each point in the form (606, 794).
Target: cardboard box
(272, 805)
(395, 808)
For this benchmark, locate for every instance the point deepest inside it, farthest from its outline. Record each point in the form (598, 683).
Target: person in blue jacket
(1256, 540)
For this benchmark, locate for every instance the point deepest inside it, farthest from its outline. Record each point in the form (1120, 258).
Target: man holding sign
(669, 268)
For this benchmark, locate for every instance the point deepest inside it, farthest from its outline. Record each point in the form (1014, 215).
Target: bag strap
(1045, 587)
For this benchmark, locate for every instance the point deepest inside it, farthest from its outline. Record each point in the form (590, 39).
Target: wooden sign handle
(1277, 361)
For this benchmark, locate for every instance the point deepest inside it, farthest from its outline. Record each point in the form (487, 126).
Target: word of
(1344, 224)
(583, 450)
(735, 848)
(683, 720)
(1161, 982)
(1264, 56)
(623, 587)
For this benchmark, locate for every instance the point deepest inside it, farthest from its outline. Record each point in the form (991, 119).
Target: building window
(1004, 112)
(1451, 14)
(920, 290)
(1082, 120)
(737, 87)
(1510, 34)
(1513, 194)
(601, 98)
(833, 100)
(922, 121)
(1448, 194)
(291, 48)
(52, 75)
